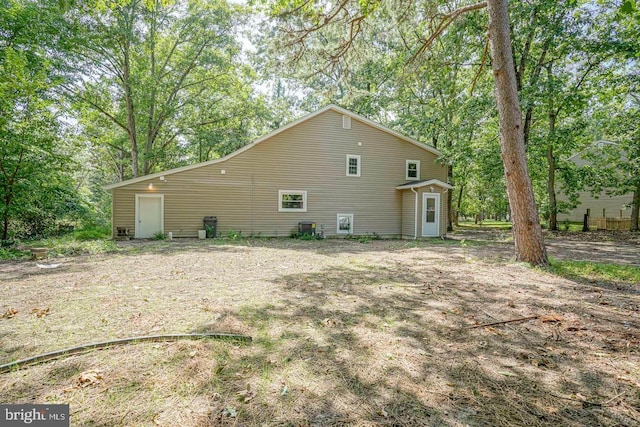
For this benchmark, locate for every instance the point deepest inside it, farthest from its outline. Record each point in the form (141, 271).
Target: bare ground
(345, 333)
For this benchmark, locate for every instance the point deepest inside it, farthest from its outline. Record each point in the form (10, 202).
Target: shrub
(92, 232)
(159, 235)
(234, 235)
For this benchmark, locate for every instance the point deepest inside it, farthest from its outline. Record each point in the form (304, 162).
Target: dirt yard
(344, 333)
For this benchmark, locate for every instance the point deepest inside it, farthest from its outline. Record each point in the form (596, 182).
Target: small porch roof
(418, 184)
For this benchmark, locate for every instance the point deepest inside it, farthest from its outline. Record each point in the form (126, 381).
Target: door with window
(430, 214)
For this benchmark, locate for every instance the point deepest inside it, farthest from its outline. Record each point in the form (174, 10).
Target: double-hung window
(292, 201)
(413, 170)
(353, 165)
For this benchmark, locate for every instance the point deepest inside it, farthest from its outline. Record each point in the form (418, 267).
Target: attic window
(346, 122)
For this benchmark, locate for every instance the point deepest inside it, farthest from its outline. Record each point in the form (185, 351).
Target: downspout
(253, 199)
(446, 190)
(415, 218)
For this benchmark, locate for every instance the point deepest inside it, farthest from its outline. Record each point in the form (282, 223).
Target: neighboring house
(599, 205)
(339, 170)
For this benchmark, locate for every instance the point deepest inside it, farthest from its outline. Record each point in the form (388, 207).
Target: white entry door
(149, 215)
(430, 214)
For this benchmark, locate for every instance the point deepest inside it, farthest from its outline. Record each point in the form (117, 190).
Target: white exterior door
(149, 215)
(431, 214)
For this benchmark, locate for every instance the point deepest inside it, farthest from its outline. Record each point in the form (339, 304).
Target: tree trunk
(635, 209)
(5, 219)
(551, 173)
(527, 233)
(131, 118)
(459, 204)
(551, 183)
(450, 212)
(128, 95)
(7, 204)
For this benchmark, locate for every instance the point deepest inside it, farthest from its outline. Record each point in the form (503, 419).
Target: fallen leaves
(40, 312)
(629, 381)
(247, 394)
(9, 314)
(551, 318)
(87, 379)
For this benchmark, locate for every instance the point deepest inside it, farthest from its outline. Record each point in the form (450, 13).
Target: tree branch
(446, 20)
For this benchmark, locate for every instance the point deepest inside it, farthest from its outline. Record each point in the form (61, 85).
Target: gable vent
(346, 122)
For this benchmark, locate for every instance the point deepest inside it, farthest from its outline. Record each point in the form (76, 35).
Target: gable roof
(589, 148)
(419, 184)
(266, 137)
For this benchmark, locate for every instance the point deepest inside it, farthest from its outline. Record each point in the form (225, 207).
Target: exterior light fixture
(150, 186)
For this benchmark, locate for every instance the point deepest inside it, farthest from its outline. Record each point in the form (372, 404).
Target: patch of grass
(234, 235)
(68, 245)
(566, 226)
(89, 240)
(89, 247)
(13, 254)
(364, 238)
(495, 225)
(92, 233)
(570, 226)
(594, 271)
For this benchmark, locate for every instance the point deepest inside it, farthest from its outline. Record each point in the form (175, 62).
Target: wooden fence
(609, 223)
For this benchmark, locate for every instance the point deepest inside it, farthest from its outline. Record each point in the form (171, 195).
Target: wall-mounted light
(150, 186)
(163, 179)
(222, 171)
(431, 188)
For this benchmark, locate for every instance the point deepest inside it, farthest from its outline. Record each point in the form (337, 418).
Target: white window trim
(406, 170)
(300, 192)
(357, 157)
(338, 231)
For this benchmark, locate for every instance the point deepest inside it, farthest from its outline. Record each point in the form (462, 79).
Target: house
(334, 168)
(597, 206)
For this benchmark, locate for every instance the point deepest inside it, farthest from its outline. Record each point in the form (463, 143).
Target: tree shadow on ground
(395, 339)
(360, 347)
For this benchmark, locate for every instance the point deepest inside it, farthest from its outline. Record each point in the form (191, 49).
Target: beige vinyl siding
(310, 157)
(611, 204)
(409, 214)
(444, 203)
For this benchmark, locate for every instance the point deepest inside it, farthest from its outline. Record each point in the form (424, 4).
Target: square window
(353, 165)
(344, 224)
(413, 170)
(292, 201)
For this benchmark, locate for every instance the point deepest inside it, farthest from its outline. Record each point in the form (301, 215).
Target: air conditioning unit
(306, 227)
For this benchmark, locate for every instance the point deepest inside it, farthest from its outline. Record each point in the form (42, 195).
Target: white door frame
(137, 211)
(435, 196)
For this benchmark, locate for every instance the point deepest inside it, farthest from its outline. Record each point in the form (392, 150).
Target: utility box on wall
(306, 227)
